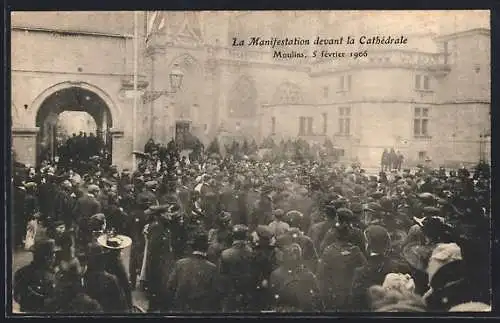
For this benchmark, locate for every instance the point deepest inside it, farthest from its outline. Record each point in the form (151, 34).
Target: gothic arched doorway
(71, 99)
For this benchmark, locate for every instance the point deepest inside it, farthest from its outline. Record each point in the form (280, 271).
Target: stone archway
(73, 98)
(26, 128)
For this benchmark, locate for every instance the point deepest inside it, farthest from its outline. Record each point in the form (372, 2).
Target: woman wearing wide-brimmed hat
(114, 265)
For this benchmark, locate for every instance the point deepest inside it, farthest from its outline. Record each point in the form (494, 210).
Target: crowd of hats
(393, 207)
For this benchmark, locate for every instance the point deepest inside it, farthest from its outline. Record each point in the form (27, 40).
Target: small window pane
(416, 127)
(347, 111)
(341, 83)
(417, 81)
(341, 125)
(426, 82)
(417, 112)
(425, 124)
(425, 112)
(347, 126)
(349, 82)
(341, 111)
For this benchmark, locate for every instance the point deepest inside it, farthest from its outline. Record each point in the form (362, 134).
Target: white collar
(90, 194)
(199, 253)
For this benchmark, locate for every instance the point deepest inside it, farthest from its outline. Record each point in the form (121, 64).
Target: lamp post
(176, 77)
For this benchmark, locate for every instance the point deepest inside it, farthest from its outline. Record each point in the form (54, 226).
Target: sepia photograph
(218, 162)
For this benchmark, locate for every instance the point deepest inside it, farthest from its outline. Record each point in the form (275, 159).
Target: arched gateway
(67, 96)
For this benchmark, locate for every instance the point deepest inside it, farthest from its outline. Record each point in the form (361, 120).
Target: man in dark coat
(319, 230)
(46, 194)
(338, 262)
(263, 212)
(34, 284)
(144, 200)
(101, 285)
(192, 283)
(265, 261)
(400, 159)
(238, 278)
(66, 205)
(385, 160)
(294, 286)
(393, 157)
(219, 238)
(345, 219)
(160, 254)
(378, 265)
(294, 235)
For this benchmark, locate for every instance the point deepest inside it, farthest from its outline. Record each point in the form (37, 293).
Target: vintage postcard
(181, 162)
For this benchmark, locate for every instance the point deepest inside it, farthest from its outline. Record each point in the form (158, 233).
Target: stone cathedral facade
(429, 98)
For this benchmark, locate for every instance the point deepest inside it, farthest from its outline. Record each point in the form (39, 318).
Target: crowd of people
(239, 234)
(78, 151)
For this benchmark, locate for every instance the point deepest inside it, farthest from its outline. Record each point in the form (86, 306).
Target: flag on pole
(155, 22)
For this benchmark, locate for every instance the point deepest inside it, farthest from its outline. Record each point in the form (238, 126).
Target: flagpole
(134, 113)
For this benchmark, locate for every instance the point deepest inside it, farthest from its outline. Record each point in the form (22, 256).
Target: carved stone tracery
(288, 93)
